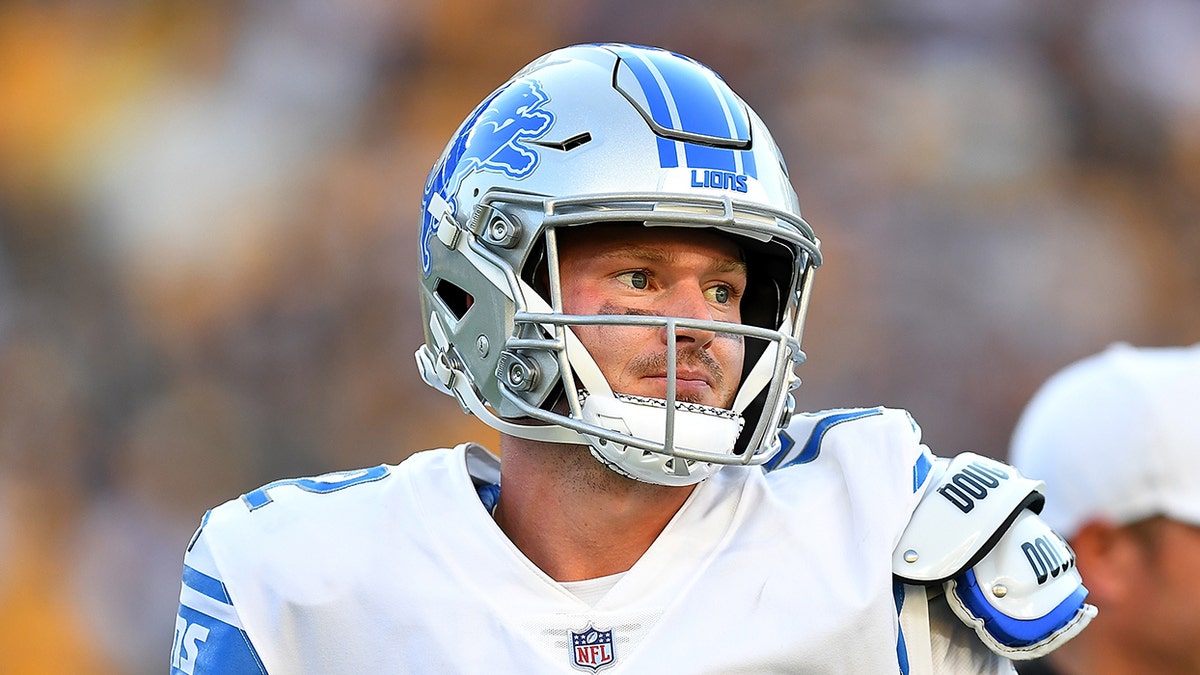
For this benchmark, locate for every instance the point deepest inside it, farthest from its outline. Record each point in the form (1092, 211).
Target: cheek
(612, 347)
(602, 340)
(1180, 558)
(575, 300)
(730, 352)
(584, 290)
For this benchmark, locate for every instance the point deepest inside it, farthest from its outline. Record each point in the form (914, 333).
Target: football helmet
(608, 133)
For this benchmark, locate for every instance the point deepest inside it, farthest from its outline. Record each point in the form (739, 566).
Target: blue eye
(719, 294)
(638, 280)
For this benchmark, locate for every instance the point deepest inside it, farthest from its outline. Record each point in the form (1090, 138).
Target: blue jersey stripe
(202, 583)
(812, 447)
(204, 645)
(901, 644)
(921, 471)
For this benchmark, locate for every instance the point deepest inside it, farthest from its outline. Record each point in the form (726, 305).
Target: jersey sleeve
(209, 636)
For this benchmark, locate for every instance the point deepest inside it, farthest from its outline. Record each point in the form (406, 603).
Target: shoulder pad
(1024, 598)
(970, 503)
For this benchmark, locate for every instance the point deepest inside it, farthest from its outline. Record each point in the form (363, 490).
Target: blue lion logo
(496, 138)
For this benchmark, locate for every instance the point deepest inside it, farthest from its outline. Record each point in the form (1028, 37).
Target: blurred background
(208, 226)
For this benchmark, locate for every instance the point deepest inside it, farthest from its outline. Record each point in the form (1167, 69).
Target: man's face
(658, 271)
(1165, 602)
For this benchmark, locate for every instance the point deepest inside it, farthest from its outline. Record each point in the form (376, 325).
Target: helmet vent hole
(568, 144)
(456, 299)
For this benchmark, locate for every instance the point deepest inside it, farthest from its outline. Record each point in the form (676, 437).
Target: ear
(1110, 562)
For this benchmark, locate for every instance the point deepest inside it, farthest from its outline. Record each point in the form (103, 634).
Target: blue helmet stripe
(704, 108)
(656, 95)
(667, 155)
(655, 98)
(686, 97)
(748, 165)
(704, 157)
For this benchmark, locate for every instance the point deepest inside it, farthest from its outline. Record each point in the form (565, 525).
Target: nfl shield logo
(592, 649)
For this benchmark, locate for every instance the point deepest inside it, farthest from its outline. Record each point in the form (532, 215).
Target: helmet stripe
(684, 96)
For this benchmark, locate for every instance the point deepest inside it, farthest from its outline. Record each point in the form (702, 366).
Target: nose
(689, 303)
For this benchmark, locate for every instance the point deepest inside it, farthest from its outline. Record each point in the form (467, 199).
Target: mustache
(696, 359)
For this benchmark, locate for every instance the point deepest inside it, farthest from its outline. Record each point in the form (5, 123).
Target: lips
(693, 388)
(698, 377)
(684, 376)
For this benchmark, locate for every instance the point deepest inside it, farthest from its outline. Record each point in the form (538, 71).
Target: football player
(614, 274)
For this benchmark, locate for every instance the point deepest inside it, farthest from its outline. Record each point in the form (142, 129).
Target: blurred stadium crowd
(208, 227)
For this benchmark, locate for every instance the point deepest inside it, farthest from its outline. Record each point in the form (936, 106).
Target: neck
(573, 517)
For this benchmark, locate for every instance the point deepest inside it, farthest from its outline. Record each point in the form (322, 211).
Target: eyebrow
(655, 254)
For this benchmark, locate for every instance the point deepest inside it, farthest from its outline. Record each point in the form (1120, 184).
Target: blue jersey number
(330, 482)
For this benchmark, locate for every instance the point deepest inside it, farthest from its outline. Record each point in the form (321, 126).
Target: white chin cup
(697, 428)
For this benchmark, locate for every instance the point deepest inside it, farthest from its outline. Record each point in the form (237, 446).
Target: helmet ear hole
(457, 300)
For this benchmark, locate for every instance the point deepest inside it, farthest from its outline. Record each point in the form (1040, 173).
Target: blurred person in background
(42, 426)
(1117, 438)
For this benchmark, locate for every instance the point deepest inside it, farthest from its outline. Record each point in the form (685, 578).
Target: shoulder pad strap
(1024, 598)
(970, 503)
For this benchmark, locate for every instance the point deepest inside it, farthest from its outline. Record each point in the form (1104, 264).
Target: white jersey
(401, 569)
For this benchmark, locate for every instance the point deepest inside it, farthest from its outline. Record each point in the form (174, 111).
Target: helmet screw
(910, 556)
(518, 377)
(503, 231)
(519, 373)
(999, 590)
(481, 343)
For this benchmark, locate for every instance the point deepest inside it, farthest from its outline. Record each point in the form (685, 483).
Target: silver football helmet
(608, 133)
